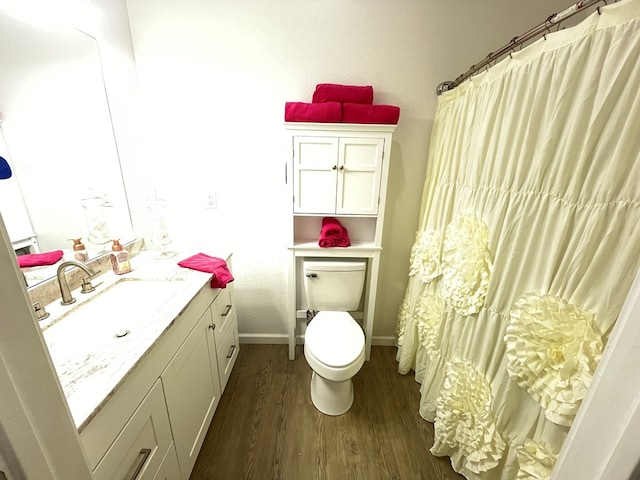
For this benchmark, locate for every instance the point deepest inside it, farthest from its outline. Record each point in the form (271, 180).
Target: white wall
(215, 76)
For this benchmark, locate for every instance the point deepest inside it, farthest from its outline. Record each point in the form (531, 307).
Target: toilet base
(331, 398)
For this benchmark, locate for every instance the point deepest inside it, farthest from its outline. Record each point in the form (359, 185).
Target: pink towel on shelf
(331, 227)
(330, 112)
(357, 113)
(333, 92)
(214, 265)
(333, 234)
(39, 259)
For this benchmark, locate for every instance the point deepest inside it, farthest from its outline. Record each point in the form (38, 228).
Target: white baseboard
(383, 341)
(281, 338)
(263, 338)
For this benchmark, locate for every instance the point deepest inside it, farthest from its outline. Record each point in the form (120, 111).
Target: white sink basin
(129, 302)
(120, 314)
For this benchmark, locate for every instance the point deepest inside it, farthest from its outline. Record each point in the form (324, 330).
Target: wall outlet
(211, 202)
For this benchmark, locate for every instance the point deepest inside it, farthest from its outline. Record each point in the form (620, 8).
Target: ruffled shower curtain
(528, 243)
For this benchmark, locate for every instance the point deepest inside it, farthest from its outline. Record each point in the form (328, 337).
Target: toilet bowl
(334, 349)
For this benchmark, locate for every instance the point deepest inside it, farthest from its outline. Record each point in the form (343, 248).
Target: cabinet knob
(335, 167)
(213, 327)
(341, 167)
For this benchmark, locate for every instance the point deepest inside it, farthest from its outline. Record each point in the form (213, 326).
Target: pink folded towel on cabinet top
(333, 92)
(214, 265)
(39, 259)
(358, 113)
(333, 234)
(330, 112)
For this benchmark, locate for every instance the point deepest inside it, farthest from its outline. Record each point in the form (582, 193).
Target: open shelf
(361, 230)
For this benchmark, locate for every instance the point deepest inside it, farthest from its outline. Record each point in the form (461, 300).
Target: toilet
(334, 341)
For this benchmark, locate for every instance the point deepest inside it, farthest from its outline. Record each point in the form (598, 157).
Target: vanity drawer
(138, 450)
(227, 351)
(223, 313)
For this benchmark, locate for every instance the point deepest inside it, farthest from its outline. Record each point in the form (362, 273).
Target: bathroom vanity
(143, 361)
(336, 170)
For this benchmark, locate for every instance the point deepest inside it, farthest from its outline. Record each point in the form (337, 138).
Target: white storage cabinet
(336, 170)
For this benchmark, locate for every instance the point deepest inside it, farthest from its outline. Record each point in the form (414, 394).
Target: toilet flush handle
(311, 275)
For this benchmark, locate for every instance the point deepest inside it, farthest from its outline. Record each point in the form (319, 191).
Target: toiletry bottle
(119, 259)
(79, 251)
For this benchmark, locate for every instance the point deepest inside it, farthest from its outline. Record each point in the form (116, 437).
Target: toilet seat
(334, 349)
(334, 338)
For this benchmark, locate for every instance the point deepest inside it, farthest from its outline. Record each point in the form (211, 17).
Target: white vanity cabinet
(336, 175)
(154, 424)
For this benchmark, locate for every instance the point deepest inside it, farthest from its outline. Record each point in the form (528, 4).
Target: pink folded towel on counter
(358, 113)
(333, 92)
(39, 259)
(333, 234)
(214, 265)
(330, 112)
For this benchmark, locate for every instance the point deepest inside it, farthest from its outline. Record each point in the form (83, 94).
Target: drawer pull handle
(226, 311)
(233, 349)
(144, 454)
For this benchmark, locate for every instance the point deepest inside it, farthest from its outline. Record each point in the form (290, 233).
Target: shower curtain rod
(541, 29)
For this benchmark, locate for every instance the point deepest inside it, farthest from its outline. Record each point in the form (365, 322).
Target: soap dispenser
(79, 251)
(119, 259)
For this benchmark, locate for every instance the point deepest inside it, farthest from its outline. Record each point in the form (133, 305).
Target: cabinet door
(169, 469)
(137, 451)
(192, 392)
(359, 175)
(315, 163)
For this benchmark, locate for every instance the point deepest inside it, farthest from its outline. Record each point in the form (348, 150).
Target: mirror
(58, 138)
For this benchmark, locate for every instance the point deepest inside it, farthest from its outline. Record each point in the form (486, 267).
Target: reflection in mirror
(57, 136)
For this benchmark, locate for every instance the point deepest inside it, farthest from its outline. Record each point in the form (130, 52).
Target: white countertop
(91, 364)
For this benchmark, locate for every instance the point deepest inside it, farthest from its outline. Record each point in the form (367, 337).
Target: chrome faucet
(67, 298)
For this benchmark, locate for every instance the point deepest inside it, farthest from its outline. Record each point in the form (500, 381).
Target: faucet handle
(41, 313)
(86, 285)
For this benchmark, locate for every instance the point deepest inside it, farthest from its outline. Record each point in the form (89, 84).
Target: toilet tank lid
(334, 266)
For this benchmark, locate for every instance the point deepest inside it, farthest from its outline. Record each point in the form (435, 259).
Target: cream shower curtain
(528, 242)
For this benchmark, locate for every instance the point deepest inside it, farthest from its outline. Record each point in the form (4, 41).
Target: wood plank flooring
(266, 427)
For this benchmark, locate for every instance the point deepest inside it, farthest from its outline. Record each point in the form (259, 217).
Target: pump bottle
(119, 259)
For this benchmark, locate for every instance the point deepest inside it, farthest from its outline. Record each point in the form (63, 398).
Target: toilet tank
(334, 285)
